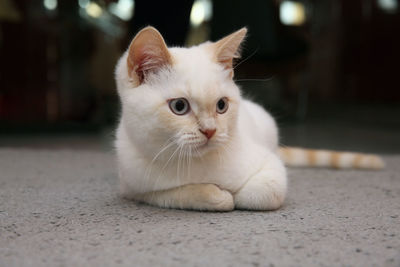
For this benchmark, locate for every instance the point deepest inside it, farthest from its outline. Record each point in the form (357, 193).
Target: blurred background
(326, 70)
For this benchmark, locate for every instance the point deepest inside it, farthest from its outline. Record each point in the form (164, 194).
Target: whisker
(149, 168)
(179, 178)
(163, 168)
(247, 58)
(256, 80)
(190, 162)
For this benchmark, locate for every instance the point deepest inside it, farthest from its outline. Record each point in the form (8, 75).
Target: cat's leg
(192, 196)
(266, 189)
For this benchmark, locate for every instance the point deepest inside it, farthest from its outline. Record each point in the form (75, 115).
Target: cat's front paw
(206, 197)
(213, 198)
(265, 190)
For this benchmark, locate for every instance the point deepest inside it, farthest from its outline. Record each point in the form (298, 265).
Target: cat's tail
(301, 157)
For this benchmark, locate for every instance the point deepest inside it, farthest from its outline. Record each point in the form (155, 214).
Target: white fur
(240, 159)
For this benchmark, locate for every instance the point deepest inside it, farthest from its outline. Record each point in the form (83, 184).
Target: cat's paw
(263, 199)
(212, 198)
(266, 190)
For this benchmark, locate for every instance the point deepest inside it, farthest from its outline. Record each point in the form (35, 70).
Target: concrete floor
(60, 207)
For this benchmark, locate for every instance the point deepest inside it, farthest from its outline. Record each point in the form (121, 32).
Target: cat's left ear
(228, 48)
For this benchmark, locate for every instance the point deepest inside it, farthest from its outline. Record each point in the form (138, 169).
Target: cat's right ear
(147, 53)
(228, 48)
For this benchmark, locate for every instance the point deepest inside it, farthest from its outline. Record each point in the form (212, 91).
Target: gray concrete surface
(61, 208)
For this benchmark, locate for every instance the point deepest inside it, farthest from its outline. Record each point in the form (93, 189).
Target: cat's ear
(228, 48)
(147, 52)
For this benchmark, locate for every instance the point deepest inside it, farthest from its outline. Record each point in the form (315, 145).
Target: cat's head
(184, 97)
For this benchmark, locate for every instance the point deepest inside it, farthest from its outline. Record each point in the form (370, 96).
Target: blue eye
(222, 105)
(179, 106)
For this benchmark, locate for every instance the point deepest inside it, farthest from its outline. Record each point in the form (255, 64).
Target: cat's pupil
(179, 105)
(221, 104)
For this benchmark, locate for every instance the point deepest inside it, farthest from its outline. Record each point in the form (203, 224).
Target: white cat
(187, 139)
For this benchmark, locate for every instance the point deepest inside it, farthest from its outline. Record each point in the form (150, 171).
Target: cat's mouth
(204, 146)
(201, 144)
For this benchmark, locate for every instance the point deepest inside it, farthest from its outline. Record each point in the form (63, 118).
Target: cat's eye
(222, 105)
(179, 106)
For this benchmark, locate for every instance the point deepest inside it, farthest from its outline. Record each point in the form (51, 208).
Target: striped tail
(301, 157)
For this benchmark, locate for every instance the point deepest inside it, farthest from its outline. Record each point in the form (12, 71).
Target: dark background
(330, 80)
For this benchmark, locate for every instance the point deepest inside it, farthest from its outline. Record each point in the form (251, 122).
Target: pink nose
(208, 132)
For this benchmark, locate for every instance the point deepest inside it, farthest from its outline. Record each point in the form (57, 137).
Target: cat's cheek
(175, 123)
(231, 118)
